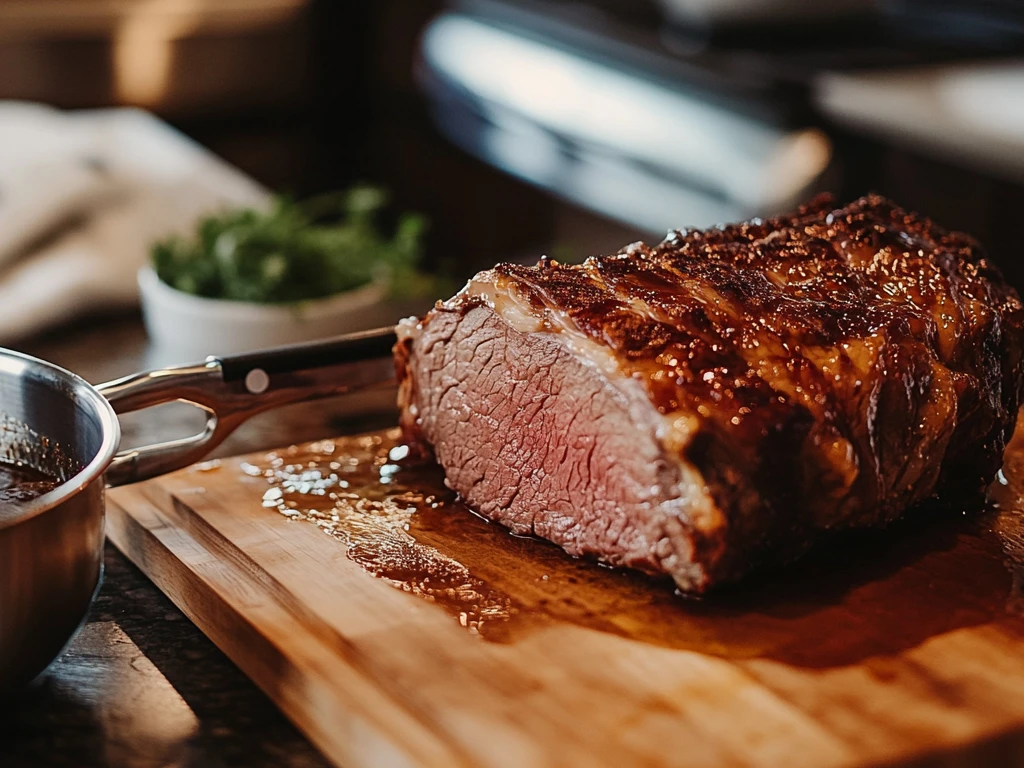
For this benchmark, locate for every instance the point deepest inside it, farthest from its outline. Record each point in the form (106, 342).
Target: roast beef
(720, 400)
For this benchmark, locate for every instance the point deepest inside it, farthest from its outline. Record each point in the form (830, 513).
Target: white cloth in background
(83, 195)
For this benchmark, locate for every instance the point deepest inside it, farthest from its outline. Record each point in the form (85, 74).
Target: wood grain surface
(397, 629)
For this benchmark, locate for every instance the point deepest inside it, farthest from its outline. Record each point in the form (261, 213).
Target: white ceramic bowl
(187, 328)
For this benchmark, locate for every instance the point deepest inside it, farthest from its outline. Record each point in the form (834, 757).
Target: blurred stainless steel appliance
(643, 151)
(662, 113)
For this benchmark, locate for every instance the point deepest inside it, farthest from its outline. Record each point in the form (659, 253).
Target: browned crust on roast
(407, 398)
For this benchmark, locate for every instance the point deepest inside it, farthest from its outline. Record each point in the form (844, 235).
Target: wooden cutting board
(397, 629)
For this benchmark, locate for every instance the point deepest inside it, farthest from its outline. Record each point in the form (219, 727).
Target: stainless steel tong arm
(232, 389)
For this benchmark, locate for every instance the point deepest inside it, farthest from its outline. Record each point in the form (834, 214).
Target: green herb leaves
(295, 252)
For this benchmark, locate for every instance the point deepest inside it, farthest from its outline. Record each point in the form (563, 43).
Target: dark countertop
(140, 686)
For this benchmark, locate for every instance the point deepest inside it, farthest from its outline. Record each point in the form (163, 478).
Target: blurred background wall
(567, 126)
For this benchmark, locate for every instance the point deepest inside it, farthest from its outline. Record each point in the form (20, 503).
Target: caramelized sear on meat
(717, 401)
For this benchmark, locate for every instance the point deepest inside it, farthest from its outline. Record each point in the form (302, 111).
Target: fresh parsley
(297, 251)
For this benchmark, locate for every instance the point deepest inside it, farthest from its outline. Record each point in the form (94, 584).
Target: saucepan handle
(231, 389)
(351, 348)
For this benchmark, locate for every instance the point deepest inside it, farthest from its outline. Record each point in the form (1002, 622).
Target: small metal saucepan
(51, 547)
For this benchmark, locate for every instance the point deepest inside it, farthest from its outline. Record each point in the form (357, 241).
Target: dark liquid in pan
(20, 483)
(868, 594)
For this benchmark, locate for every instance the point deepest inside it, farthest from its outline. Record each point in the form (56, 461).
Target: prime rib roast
(719, 401)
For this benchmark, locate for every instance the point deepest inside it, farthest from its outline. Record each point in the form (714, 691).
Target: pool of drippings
(865, 594)
(363, 498)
